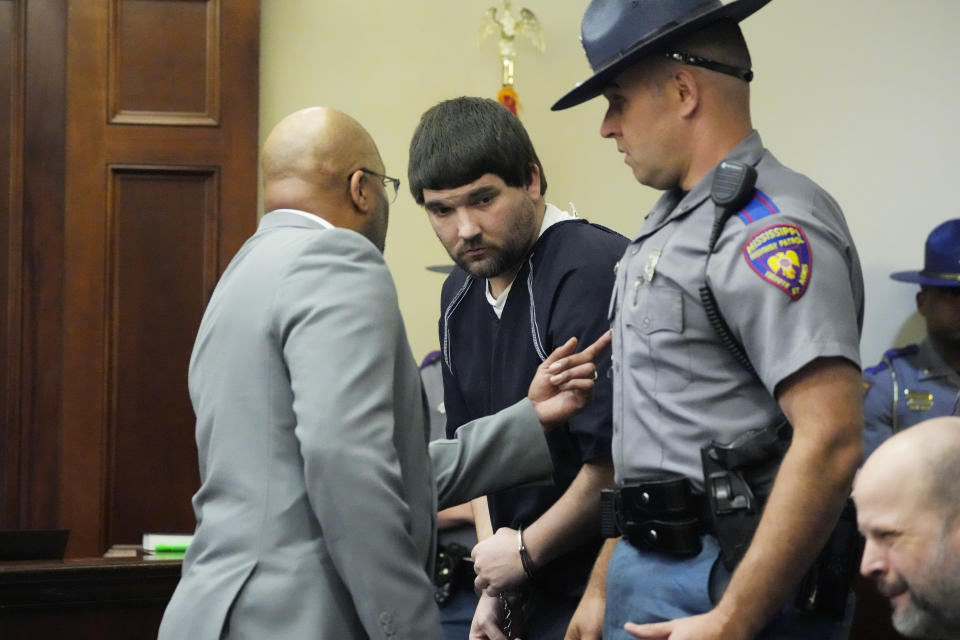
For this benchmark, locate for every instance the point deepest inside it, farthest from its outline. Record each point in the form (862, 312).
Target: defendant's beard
(506, 257)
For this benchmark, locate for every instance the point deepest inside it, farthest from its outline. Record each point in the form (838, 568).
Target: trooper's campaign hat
(941, 260)
(617, 33)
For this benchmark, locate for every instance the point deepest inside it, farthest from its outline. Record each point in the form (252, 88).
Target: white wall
(860, 95)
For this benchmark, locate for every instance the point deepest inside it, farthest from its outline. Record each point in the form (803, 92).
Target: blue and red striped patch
(759, 207)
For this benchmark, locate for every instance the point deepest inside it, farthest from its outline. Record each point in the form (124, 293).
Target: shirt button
(646, 321)
(634, 251)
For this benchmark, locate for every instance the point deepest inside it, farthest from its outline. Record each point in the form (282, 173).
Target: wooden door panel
(170, 80)
(163, 224)
(9, 257)
(42, 174)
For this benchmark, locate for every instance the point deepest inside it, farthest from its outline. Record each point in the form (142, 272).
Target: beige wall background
(860, 95)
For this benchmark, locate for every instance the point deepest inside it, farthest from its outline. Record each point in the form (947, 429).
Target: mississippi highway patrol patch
(780, 254)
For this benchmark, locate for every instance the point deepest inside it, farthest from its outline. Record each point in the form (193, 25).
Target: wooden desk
(102, 598)
(107, 598)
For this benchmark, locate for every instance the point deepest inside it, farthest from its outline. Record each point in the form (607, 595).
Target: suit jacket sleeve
(491, 454)
(342, 337)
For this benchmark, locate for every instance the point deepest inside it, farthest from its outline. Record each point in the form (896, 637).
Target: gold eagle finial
(503, 23)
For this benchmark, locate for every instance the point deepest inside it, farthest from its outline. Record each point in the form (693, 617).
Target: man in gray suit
(316, 512)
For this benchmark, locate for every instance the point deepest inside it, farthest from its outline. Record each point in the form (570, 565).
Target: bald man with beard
(908, 501)
(316, 510)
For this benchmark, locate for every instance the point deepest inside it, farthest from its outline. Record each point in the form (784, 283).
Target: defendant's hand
(497, 562)
(487, 619)
(564, 381)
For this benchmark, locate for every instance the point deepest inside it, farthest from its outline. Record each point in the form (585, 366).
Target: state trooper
(920, 381)
(736, 318)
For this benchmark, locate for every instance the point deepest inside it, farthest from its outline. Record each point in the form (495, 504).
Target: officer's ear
(922, 301)
(685, 90)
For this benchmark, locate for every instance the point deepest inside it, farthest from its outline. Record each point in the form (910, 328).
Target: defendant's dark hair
(460, 140)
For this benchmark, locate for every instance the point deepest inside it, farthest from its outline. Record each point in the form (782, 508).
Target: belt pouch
(659, 514)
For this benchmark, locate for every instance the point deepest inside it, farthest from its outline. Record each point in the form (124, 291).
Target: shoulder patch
(780, 254)
(760, 206)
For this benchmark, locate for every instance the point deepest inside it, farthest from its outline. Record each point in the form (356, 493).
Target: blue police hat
(941, 260)
(617, 33)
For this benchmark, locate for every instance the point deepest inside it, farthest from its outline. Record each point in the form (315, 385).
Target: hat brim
(932, 280)
(594, 85)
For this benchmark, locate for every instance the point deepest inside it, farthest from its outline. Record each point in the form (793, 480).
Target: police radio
(731, 189)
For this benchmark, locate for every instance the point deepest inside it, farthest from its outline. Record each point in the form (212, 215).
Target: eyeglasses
(387, 180)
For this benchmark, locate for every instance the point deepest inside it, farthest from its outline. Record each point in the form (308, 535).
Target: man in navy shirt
(528, 277)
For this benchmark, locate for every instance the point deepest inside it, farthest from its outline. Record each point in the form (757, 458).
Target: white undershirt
(304, 214)
(551, 216)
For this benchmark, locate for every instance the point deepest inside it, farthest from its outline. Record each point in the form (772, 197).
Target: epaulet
(875, 369)
(900, 352)
(760, 206)
(889, 356)
(430, 358)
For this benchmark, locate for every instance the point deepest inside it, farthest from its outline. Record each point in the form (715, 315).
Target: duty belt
(662, 514)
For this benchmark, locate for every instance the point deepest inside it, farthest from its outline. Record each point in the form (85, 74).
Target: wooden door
(32, 129)
(157, 190)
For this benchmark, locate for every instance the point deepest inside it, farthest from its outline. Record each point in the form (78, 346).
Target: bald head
(906, 496)
(309, 156)
(312, 161)
(925, 458)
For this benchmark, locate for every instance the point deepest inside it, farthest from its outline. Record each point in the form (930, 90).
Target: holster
(660, 514)
(738, 478)
(451, 572)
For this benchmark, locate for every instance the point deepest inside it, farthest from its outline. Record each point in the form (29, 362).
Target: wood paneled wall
(130, 128)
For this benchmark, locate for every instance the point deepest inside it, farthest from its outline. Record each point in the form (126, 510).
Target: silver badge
(651, 267)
